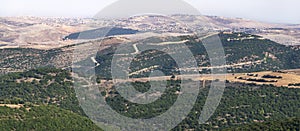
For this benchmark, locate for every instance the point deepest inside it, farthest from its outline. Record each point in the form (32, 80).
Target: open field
(284, 78)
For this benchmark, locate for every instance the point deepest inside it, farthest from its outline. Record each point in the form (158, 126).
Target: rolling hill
(244, 53)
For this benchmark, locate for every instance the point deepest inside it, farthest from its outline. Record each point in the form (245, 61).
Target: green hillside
(291, 124)
(48, 86)
(239, 48)
(241, 104)
(40, 118)
(50, 90)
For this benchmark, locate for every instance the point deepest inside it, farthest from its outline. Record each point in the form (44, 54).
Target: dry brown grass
(288, 77)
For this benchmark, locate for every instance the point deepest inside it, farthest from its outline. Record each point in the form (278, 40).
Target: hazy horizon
(275, 11)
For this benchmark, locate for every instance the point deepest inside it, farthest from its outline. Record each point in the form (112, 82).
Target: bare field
(285, 78)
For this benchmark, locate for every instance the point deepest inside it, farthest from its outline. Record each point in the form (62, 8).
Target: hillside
(291, 124)
(41, 86)
(241, 104)
(22, 59)
(43, 118)
(48, 91)
(244, 53)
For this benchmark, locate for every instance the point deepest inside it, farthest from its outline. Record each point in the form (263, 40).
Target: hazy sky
(276, 11)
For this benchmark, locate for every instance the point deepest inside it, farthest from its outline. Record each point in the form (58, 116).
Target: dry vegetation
(285, 78)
